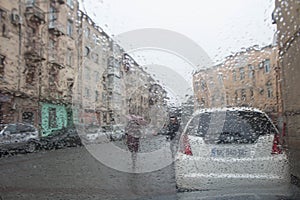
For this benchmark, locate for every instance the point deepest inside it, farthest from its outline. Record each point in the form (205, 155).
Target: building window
(28, 117)
(202, 101)
(251, 93)
(70, 28)
(95, 38)
(70, 84)
(261, 91)
(52, 48)
(103, 97)
(30, 2)
(30, 75)
(2, 13)
(96, 95)
(69, 57)
(203, 85)
(86, 51)
(196, 85)
(4, 31)
(87, 73)
(242, 74)
(53, 77)
(86, 92)
(70, 3)
(52, 118)
(251, 71)
(87, 32)
(52, 15)
(104, 117)
(213, 100)
(234, 75)
(3, 27)
(220, 78)
(243, 94)
(2, 62)
(52, 45)
(267, 65)
(1, 115)
(95, 57)
(97, 76)
(211, 82)
(269, 90)
(227, 98)
(236, 96)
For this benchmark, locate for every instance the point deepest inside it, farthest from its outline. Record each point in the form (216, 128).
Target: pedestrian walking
(172, 129)
(133, 134)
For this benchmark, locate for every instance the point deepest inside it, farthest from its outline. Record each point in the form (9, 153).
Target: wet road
(74, 173)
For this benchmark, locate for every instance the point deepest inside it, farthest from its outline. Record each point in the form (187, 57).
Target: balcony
(56, 28)
(34, 13)
(33, 52)
(113, 71)
(56, 60)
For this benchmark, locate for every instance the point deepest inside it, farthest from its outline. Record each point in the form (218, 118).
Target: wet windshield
(237, 127)
(112, 99)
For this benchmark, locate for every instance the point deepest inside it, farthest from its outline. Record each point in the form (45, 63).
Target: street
(73, 173)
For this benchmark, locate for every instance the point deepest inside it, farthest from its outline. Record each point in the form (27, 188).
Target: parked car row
(94, 135)
(20, 137)
(60, 139)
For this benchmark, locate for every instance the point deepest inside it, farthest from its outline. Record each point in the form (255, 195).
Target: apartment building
(286, 17)
(248, 78)
(94, 49)
(58, 67)
(116, 92)
(137, 88)
(38, 43)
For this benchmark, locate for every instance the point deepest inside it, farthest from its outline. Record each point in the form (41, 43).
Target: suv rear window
(232, 126)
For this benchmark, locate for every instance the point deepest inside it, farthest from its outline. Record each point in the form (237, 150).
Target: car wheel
(30, 147)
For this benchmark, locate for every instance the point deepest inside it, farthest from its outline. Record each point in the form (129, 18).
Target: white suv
(230, 147)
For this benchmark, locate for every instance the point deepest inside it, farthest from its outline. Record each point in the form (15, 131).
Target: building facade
(57, 68)
(247, 78)
(38, 43)
(93, 53)
(286, 17)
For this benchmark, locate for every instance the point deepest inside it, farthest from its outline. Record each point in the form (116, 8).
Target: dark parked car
(66, 137)
(19, 137)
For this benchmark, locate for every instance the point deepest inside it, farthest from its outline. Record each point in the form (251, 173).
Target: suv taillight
(276, 148)
(185, 146)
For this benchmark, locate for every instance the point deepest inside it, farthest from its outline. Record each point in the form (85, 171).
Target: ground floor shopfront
(46, 116)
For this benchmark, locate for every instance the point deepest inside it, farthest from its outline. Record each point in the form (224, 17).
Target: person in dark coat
(172, 130)
(133, 133)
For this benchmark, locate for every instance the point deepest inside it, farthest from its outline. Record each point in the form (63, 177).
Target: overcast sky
(218, 26)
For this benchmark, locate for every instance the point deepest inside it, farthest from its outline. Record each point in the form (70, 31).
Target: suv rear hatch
(231, 134)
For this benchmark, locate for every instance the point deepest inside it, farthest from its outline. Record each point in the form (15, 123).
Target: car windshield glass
(237, 126)
(24, 128)
(11, 128)
(146, 99)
